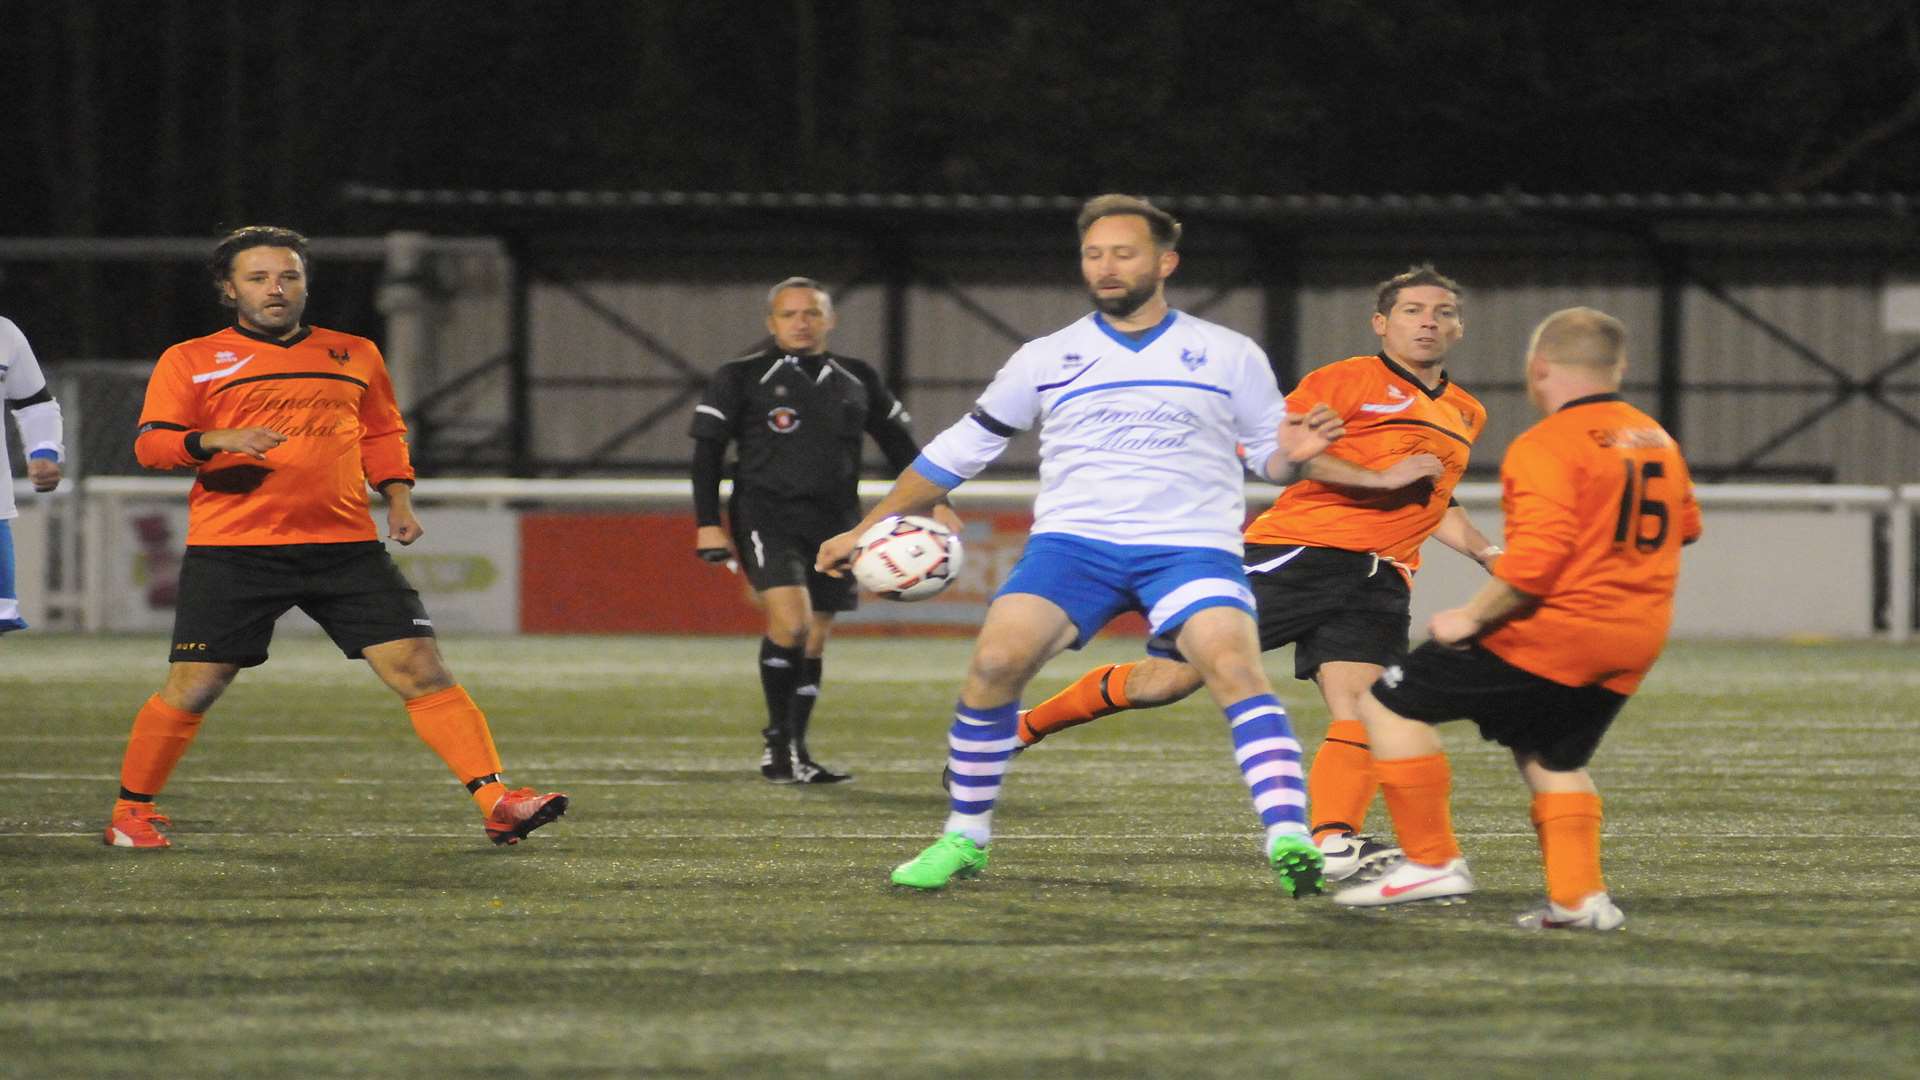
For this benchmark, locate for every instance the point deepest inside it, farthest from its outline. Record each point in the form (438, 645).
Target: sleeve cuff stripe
(938, 475)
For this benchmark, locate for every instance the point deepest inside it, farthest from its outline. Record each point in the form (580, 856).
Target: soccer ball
(906, 557)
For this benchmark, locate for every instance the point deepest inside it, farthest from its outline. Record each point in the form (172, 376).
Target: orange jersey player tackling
(286, 425)
(327, 392)
(1391, 414)
(1331, 562)
(1598, 503)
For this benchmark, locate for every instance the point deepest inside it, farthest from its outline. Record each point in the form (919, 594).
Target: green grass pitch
(332, 908)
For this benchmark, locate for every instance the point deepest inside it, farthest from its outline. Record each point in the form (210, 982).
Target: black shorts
(1329, 604)
(1559, 724)
(230, 598)
(777, 540)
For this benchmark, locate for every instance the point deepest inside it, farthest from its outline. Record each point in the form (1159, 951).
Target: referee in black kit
(798, 412)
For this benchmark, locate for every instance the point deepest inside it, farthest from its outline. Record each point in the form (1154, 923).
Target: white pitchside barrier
(1777, 561)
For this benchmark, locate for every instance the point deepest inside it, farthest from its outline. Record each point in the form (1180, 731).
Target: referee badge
(782, 419)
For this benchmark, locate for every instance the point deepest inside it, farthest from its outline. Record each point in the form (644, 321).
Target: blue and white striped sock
(979, 746)
(1269, 758)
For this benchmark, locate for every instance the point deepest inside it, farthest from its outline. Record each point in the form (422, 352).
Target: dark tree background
(181, 117)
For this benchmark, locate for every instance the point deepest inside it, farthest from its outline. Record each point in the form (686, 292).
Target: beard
(275, 320)
(1128, 302)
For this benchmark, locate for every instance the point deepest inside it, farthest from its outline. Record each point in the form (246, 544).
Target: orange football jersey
(328, 392)
(1598, 502)
(1389, 414)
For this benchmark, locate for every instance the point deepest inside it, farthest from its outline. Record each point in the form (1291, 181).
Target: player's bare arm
(1405, 472)
(912, 493)
(251, 441)
(1303, 438)
(402, 525)
(1457, 531)
(1495, 603)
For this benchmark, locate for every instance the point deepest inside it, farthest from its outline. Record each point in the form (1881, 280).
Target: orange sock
(1100, 692)
(1341, 784)
(1417, 791)
(449, 722)
(1568, 825)
(161, 735)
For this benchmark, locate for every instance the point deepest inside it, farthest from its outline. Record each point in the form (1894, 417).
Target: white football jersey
(1141, 439)
(20, 378)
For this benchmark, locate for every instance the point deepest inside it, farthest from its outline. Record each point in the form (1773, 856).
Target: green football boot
(951, 856)
(1297, 864)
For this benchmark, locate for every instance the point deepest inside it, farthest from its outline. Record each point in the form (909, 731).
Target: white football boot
(1596, 912)
(1357, 857)
(1410, 882)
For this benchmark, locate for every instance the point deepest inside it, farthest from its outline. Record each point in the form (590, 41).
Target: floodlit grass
(331, 906)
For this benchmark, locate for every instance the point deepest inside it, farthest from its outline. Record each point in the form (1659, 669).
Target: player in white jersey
(1146, 417)
(24, 388)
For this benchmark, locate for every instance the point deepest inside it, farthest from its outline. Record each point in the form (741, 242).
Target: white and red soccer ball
(906, 557)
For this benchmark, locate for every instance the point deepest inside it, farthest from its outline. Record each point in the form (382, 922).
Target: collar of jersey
(823, 361)
(1433, 394)
(268, 339)
(1130, 342)
(1591, 399)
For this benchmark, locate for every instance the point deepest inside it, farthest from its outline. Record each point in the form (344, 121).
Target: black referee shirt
(798, 422)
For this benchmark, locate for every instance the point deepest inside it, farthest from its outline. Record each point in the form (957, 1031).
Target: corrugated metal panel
(1749, 384)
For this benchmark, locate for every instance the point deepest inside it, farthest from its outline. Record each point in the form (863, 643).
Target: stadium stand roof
(1886, 223)
(1655, 204)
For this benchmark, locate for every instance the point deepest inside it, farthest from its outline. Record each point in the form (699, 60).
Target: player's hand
(836, 553)
(1453, 628)
(254, 442)
(1411, 470)
(945, 515)
(1310, 433)
(44, 473)
(403, 526)
(710, 543)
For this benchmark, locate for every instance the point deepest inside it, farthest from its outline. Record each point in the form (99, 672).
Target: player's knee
(194, 688)
(787, 635)
(1000, 666)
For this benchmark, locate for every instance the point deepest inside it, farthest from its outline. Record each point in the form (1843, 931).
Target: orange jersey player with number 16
(286, 425)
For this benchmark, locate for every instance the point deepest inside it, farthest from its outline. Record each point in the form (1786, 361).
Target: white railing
(1777, 559)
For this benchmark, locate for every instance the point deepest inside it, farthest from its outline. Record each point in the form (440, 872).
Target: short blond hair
(1164, 226)
(1581, 337)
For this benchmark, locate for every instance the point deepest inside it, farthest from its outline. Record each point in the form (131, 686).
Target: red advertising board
(635, 573)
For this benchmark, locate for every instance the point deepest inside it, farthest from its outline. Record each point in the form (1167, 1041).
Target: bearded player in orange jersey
(286, 425)
(1331, 562)
(1598, 504)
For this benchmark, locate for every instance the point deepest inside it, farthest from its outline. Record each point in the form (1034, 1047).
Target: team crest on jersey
(1191, 360)
(782, 419)
(341, 357)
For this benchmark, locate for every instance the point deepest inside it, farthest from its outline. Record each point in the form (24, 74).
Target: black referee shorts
(1561, 725)
(777, 540)
(230, 597)
(1329, 604)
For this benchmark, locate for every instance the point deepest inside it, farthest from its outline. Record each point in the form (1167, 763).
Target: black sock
(800, 714)
(779, 674)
